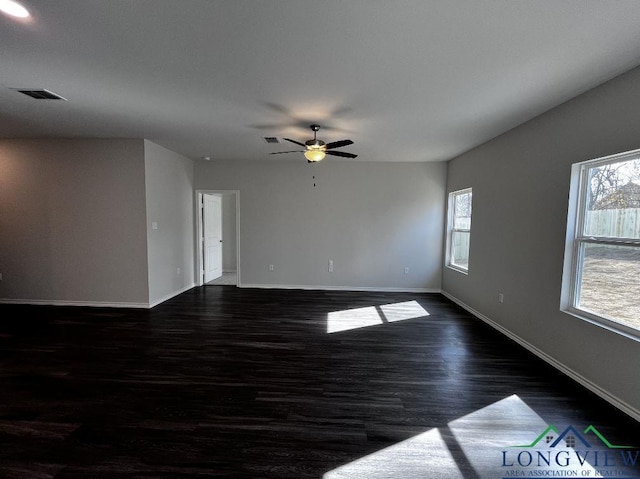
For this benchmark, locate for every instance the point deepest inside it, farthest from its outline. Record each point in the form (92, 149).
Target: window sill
(458, 269)
(604, 323)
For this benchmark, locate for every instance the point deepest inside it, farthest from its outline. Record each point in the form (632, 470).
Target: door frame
(199, 230)
(212, 239)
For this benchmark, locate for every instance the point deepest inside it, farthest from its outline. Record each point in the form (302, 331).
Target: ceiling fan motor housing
(314, 144)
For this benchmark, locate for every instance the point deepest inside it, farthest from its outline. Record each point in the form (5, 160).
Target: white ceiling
(406, 80)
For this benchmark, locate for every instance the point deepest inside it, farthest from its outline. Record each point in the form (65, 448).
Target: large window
(459, 230)
(604, 242)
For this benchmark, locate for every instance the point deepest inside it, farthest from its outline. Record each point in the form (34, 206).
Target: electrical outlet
(406, 270)
(270, 267)
(500, 298)
(178, 270)
(330, 266)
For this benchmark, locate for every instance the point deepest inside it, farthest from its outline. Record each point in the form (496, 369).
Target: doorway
(218, 237)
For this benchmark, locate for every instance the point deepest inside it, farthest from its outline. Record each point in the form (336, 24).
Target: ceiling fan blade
(296, 142)
(341, 153)
(338, 144)
(292, 151)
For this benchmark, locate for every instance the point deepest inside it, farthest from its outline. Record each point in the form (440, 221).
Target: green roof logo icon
(570, 437)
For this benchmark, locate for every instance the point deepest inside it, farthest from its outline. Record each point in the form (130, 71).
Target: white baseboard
(341, 288)
(93, 304)
(170, 295)
(591, 386)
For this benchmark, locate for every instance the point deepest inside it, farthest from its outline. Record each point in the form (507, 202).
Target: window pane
(610, 283)
(462, 211)
(460, 249)
(613, 200)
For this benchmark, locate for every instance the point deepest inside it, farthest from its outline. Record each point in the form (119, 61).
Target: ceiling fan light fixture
(314, 155)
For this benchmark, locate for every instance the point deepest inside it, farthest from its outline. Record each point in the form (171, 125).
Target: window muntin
(606, 247)
(459, 229)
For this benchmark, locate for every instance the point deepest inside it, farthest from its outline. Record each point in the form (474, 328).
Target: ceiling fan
(315, 150)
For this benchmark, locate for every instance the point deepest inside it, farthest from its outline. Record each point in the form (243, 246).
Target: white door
(212, 237)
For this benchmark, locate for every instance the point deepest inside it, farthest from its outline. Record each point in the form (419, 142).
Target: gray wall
(520, 186)
(72, 222)
(372, 220)
(170, 205)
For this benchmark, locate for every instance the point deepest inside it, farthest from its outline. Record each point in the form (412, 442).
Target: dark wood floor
(244, 383)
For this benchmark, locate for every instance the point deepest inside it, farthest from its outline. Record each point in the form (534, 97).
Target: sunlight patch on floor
(485, 433)
(348, 319)
(352, 319)
(401, 311)
(417, 457)
(481, 444)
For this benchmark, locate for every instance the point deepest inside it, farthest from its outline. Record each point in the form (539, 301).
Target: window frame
(577, 241)
(451, 229)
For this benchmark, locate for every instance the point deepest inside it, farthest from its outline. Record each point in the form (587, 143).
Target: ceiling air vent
(271, 139)
(40, 94)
